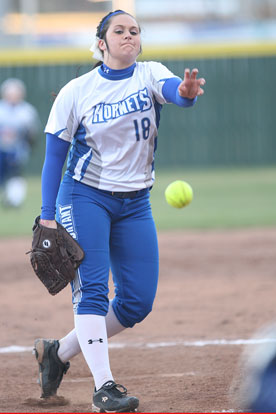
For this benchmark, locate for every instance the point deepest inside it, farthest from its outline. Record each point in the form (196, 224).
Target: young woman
(110, 118)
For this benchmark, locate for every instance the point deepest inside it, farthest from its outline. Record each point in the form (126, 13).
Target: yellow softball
(179, 194)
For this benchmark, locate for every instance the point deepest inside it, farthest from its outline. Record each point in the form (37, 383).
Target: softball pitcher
(109, 118)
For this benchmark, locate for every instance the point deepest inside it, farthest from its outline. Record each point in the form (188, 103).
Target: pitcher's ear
(102, 45)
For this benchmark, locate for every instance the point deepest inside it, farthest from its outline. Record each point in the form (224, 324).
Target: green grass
(223, 198)
(18, 222)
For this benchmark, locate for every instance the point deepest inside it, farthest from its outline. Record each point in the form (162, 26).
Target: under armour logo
(46, 243)
(90, 341)
(106, 70)
(104, 399)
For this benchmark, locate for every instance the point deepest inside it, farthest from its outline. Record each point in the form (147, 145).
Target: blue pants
(9, 166)
(114, 233)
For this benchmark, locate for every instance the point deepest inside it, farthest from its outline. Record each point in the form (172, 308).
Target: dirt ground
(214, 285)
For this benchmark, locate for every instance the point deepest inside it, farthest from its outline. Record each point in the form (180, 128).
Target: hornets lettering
(137, 102)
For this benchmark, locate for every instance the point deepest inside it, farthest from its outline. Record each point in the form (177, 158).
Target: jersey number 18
(145, 128)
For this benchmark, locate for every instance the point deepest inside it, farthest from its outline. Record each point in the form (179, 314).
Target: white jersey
(19, 124)
(111, 118)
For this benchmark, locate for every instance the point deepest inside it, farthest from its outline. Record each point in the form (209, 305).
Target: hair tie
(96, 51)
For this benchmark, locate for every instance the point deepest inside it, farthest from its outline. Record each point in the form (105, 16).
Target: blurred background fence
(231, 42)
(232, 124)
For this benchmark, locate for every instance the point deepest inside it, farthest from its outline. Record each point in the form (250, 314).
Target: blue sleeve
(55, 155)
(171, 94)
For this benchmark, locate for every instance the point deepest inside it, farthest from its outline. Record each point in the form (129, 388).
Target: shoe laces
(118, 389)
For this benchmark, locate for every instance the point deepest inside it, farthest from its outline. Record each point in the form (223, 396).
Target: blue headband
(108, 17)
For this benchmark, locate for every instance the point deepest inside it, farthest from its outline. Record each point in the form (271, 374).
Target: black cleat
(51, 368)
(112, 398)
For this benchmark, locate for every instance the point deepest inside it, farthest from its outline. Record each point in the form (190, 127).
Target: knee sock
(92, 337)
(69, 345)
(113, 326)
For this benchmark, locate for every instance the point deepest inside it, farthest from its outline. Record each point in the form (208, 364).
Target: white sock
(92, 337)
(113, 326)
(69, 345)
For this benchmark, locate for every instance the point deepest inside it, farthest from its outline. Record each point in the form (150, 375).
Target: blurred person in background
(253, 386)
(19, 128)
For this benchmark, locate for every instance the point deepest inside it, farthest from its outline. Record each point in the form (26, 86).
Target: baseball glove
(55, 256)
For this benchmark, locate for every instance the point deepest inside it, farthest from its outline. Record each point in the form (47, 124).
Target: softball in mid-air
(179, 194)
